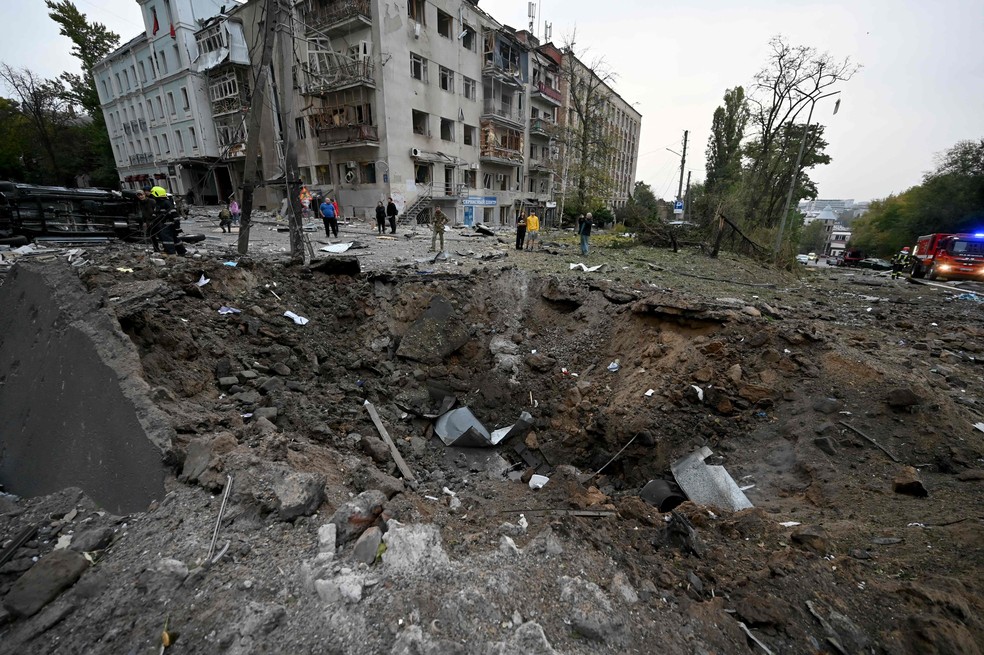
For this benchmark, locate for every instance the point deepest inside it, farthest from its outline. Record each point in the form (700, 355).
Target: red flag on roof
(157, 26)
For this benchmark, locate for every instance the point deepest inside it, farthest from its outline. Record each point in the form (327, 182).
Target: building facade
(430, 102)
(156, 104)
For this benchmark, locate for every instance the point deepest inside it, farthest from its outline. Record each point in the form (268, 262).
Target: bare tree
(42, 102)
(794, 77)
(588, 140)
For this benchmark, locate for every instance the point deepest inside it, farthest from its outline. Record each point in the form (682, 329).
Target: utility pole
(683, 163)
(250, 178)
(285, 86)
(686, 197)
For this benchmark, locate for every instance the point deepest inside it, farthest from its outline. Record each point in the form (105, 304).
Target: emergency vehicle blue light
(979, 235)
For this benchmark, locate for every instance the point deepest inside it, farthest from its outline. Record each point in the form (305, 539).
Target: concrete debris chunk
(44, 581)
(708, 485)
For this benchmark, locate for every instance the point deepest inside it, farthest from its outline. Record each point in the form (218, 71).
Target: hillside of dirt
(842, 402)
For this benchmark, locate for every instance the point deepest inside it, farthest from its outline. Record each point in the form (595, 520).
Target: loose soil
(787, 376)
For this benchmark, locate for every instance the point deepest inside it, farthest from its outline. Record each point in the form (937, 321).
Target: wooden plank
(400, 464)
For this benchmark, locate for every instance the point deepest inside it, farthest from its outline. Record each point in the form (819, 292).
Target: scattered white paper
(700, 392)
(584, 268)
(537, 481)
(229, 310)
(299, 320)
(649, 394)
(789, 524)
(203, 281)
(979, 426)
(231, 264)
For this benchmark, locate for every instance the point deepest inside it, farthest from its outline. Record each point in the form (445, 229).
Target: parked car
(835, 261)
(803, 259)
(875, 264)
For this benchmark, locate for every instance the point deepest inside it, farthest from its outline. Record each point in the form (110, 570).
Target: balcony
(333, 18)
(542, 128)
(347, 136)
(143, 158)
(540, 166)
(505, 70)
(547, 93)
(503, 113)
(458, 190)
(499, 155)
(347, 74)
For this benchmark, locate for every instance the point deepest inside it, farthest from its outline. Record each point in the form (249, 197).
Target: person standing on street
(235, 211)
(330, 218)
(900, 262)
(392, 212)
(147, 205)
(380, 217)
(520, 231)
(585, 231)
(438, 225)
(225, 220)
(532, 231)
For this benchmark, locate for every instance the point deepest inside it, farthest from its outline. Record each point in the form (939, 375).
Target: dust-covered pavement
(789, 378)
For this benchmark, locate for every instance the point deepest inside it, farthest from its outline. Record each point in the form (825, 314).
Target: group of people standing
(382, 213)
(528, 231)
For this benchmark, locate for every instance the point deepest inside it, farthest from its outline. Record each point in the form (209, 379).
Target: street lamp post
(796, 168)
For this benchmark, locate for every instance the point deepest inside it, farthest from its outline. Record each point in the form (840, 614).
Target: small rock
(827, 406)
(907, 482)
(91, 540)
(228, 381)
(735, 373)
(347, 588)
(367, 546)
(248, 375)
(271, 385)
(812, 537)
(508, 546)
(172, 568)
(886, 541)
(751, 311)
(413, 548)
(375, 448)
(299, 494)
(281, 369)
(327, 536)
(902, 399)
(269, 413)
(43, 582)
(826, 444)
(621, 585)
(354, 517)
(971, 475)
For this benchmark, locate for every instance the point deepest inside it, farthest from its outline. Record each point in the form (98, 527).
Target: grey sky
(921, 89)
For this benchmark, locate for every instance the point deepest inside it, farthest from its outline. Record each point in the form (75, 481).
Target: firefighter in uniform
(900, 262)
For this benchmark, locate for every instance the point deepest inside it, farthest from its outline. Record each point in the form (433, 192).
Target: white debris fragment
(789, 524)
(537, 481)
(299, 320)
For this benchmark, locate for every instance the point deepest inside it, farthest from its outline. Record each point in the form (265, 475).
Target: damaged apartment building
(433, 103)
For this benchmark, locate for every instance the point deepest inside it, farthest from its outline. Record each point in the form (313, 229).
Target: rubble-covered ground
(842, 401)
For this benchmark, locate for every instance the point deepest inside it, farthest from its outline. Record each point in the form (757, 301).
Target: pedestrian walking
(380, 217)
(438, 225)
(520, 231)
(235, 211)
(329, 217)
(391, 212)
(532, 231)
(585, 231)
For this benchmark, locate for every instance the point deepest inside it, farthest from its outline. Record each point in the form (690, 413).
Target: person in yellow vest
(532, 231)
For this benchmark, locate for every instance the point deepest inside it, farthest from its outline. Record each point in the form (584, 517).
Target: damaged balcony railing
(342, 134)
(493, 108)
(345, 73)
(548, 91)
(327, 13)
(501, 154)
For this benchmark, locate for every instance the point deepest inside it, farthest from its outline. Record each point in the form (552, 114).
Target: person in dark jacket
(585, 231)
(520, 231)
(391, 211)
(380, 217)
(147, 205)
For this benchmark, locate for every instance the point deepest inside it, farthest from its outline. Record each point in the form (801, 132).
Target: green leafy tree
(724, 144)
(90, 43)
(18, 154)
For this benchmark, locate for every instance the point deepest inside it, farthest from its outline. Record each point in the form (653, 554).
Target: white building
(156, 104)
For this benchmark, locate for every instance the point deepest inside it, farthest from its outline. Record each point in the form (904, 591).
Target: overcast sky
(920, 91)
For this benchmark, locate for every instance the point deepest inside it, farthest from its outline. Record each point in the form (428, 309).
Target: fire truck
(950, 256)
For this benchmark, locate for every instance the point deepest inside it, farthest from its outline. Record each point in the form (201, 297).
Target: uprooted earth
(245, 455)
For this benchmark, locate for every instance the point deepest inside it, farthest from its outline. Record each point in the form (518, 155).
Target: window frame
(446, 79)
(421, 67)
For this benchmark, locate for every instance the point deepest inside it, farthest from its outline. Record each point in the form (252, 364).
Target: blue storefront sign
(479, 201)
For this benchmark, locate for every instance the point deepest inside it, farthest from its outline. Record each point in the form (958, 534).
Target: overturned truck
(53, 213)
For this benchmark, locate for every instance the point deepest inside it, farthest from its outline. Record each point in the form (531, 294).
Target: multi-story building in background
(434, 105)
(156, 103)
